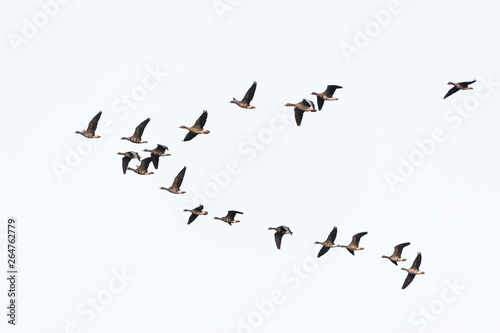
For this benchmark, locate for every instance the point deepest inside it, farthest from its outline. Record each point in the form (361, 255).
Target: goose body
(143, 168)
(156, 153)
(354, 245)
(278, 235)
(139, 130)
(300, 108)
(126, 159)
(458, 86)
(175, 188)
(328, 243)
(245, 102)
(413, 270)
(229, 218)
(195, 212)
(327, 95)
(396, 255)
(197, 128)
(90, 131)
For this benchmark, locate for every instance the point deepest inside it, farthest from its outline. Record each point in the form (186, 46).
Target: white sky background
(207, 276)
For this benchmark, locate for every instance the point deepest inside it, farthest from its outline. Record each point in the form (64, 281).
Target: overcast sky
(100, 251)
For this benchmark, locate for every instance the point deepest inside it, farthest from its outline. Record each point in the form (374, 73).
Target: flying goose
(396, 256)
(245, 102)
(197, 128)
(126, 159)
(156, 153)
(143, 168)
(278, 235)
(328, 243)
(90, 132)
(300, 108)
(175, 188)
(136, 138)
(354, 246)
(195, 212)
(327, 95)
(458, 86)
(413, 270)
(229, 218)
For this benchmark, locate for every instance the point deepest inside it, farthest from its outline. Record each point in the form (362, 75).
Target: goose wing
(135, 155)
(232, 213)
(299, 114)
(145, 164)
(398, 249)
(161, 148)
(465, 84)
(320, 101)
(408, 280)
(93, 123)
(192, 217)
(356, 238)
(178, 179)
(323, 250)
(156, 160)
(417, 261)
(199, 208)
(190, 136)
(306, 103)
(451, 91)
(201, 120)
(140, 128)
(330, 90)
(249, 95)
(332, 235)
(277, 238)
(125, 161)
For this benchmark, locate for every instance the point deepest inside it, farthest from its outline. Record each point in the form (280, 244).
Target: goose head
(206, 132)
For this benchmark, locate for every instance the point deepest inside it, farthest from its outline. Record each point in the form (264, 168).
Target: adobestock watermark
(31, 26)
(247, 151)
(427, 314)
(120, 109)
(364, 36)
(223, 6)
(291, 281)
(453, 118)
(89, 309)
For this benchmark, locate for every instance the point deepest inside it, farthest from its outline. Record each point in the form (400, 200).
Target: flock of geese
(198, 128)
